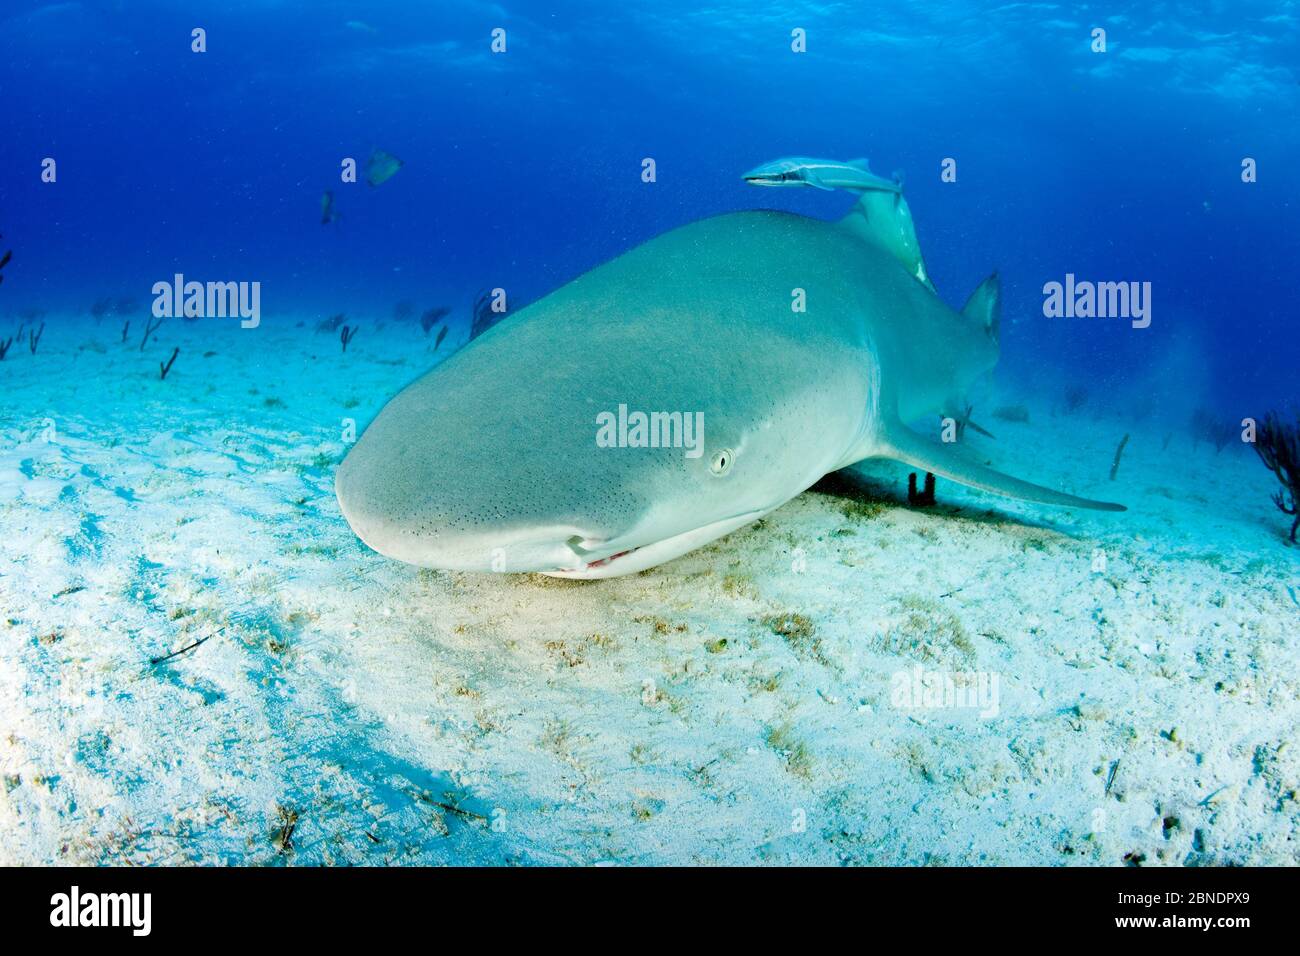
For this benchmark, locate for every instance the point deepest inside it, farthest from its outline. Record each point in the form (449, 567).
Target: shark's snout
(481, 526)
(507, 543)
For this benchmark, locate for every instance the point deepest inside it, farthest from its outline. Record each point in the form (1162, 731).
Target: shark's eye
(721, 463)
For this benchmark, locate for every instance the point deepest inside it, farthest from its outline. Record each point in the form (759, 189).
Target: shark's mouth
(586, 567)
(606, 562)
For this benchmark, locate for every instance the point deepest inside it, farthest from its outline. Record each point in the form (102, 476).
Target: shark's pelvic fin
(884, 219)
(984, 307)
(903, 444)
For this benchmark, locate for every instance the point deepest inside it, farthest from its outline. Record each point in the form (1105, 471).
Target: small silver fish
(327, 211)
(381, 167)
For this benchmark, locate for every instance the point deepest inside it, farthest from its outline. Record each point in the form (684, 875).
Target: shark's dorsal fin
(884, 219)
(903, 444)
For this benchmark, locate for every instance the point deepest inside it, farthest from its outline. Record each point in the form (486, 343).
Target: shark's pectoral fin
(905, 445)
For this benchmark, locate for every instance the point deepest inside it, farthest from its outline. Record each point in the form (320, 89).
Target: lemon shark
(795, 346)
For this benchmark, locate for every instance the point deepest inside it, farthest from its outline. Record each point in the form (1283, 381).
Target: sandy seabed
(739, 705)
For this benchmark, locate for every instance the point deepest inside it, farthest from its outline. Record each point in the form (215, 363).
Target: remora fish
(490, 461)
(381, 167)
(855, 174)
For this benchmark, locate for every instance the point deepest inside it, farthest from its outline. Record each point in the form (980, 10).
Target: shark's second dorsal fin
(984, 307)
(883, 219)
(902, 444)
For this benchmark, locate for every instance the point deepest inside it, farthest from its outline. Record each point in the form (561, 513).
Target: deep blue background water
(523, 169)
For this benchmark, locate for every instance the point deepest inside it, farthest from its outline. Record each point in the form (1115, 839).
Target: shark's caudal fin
(883, 218)
(903, 444)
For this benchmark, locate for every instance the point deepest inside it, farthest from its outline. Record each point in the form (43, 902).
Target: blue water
(523, 169)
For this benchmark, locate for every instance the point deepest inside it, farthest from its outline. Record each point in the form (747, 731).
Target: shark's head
(516, 456)
(569, 491)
